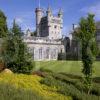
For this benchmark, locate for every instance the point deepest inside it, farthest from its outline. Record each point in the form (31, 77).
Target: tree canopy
(3, 25)
(15, 53)
(87, 37)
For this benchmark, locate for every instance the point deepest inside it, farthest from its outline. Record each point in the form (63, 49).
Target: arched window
(47, 53)
(40, 53)
(54, 54)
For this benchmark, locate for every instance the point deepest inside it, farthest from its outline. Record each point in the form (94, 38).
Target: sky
(24, 11)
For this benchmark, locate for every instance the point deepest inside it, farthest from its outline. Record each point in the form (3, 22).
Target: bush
(95, 89)
(31, 83)
(63, 88)
(69, 87)
(1, 65)
(8, 92)
(62, 56)
(45, 70)
(23, 67)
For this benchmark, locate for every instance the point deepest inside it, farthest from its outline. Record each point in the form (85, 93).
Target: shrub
(45, 70)
(39, 73)
(69, 87)
(32, 83)
(1, 65)
(8, 92)
(62, 56)
(63, 88)
(23, 67)
(95, 89)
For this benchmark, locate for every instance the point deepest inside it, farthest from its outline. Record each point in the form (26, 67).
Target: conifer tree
(86, 35)
(15, 54)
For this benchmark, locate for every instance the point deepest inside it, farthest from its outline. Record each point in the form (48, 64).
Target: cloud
(67, 29)
(19, 20)
(95, 9)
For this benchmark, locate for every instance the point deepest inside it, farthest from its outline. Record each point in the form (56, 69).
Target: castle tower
(39, 14)
(54, 24)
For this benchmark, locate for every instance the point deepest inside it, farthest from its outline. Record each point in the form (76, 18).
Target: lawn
(70, 67)
(54, 86)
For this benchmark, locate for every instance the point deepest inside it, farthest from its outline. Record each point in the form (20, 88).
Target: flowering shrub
(32, 82)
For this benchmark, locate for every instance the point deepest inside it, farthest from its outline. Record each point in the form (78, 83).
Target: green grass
(70, 67)
(71, 86)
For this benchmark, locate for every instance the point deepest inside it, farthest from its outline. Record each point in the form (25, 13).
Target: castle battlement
(41, 40)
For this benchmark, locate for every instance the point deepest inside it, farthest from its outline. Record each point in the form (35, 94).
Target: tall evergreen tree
(16, 55)
(3, 25)
(87, 34)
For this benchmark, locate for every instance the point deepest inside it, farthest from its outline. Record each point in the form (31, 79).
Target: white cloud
(67, 29)
(19, 20)
(95, 9)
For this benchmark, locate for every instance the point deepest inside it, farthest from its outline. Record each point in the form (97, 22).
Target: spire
(39, 3)
(49, 11)
(60, 13)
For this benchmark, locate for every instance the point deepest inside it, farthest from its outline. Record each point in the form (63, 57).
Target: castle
(74, 50)
(47, 43)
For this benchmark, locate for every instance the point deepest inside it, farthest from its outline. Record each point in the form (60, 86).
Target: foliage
(32, 83)
(86, 35)
(96, 89)
(62, 56)
(16, 30)
(70, 86)
(3, 25)
(15, 53)
(33, 33)
(8, 92)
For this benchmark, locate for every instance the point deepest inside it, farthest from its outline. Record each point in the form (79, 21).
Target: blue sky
(73, 10)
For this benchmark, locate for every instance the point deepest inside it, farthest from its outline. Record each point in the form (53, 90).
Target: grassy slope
(31, 82)
(70, 67)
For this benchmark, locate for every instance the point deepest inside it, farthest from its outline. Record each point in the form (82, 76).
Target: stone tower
(55, 24)
(39, 14)
(49, 26)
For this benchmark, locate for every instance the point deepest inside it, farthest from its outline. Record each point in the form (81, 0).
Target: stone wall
(44, 49)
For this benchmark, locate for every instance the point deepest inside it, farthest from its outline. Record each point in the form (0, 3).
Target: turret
(60, 13)
(39, 14)
(28, 33)
(49, 11)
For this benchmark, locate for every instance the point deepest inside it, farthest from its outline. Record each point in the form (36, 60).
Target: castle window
(40, 53)
(47, 53)
(54, 54)
(55, 26)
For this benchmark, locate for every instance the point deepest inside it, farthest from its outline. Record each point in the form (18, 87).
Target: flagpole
(39, 3)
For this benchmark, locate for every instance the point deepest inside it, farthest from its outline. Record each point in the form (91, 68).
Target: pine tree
(16, 56)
